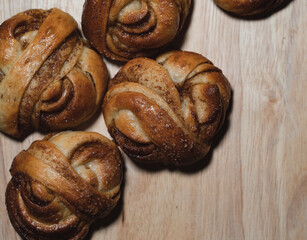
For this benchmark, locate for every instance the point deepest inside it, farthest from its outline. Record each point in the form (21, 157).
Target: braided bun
(49, 80)
(63, 183)
(125, 29)
(166, 110)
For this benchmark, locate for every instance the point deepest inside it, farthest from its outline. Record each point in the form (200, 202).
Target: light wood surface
(253, 185)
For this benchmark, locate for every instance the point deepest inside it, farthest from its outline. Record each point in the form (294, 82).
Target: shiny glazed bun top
(166, 110)
(49, 80)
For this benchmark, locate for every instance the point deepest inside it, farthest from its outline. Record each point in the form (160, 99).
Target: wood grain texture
(253, 185)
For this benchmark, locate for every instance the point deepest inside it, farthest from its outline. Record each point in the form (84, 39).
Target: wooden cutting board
(253, 185)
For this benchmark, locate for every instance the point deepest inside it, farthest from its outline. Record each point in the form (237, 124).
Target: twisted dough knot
(248, 7)
(166, 111)
(125, 29)
(48, 79)
(63, 183)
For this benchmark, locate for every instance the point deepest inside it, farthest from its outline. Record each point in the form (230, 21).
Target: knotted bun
(62, 184)
(166, 110)
(248, 7)
(125, 29)
(49, 80)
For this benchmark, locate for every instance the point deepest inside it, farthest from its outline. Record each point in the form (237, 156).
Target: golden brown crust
(63, 183)
(166, 110)
(125, 29)
(49, 79)
(248, 7)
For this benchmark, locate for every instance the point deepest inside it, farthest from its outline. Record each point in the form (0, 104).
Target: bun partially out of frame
(122, 30)
(248, 7)
(63, 183)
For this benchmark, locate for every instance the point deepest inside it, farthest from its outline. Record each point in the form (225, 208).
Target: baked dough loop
(62, 184)
(125, 29)
(49, 80)
(248, 7)
(166, 110)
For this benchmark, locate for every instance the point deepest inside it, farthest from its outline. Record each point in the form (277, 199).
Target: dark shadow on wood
(181, 37)
(150, 167)
(20, 139)
(87, 124)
